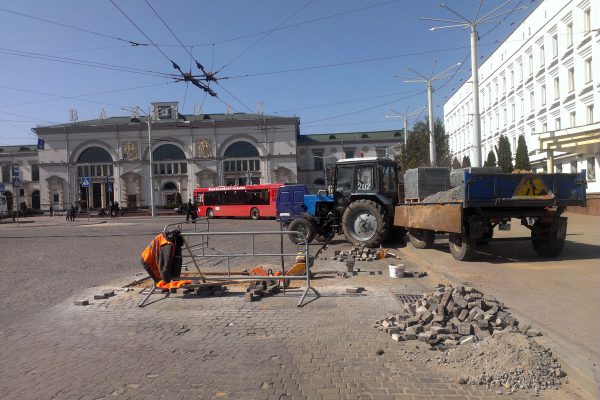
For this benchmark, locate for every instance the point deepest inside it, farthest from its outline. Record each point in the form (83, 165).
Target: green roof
(124, 120)
(363, 136)
(18, 148)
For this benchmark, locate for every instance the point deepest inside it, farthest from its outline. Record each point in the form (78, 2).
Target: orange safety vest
(150, 256)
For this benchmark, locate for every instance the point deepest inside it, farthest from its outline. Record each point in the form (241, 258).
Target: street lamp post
(405, 117)
(150, 170)
(492, 16)
(428, 80)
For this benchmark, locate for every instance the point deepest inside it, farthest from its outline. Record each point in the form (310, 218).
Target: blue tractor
(359, 204)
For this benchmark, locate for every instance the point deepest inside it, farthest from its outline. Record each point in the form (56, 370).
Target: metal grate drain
(407, 298)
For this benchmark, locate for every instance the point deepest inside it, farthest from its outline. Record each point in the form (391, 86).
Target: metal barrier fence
(198, 253)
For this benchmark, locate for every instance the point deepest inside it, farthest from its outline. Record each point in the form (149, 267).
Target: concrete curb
(575, 367)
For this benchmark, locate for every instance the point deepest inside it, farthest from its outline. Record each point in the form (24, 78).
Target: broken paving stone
(82, 302)
(99, 297)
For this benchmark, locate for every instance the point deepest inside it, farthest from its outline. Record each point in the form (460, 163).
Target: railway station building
(105, 160)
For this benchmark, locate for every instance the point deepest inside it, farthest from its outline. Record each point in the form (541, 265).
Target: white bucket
(396, 271)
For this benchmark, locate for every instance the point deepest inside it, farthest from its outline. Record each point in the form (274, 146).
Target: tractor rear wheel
(365, 223)
(305, 227)
(545, 241)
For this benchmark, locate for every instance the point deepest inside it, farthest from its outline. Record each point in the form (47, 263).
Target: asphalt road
(47, 261)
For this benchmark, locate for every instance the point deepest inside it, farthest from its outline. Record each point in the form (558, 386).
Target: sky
(340, 66)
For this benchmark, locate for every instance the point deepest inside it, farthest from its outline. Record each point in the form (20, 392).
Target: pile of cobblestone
(452, 195)
(505, 362)
(358, 253)
(478, 336)
(452, 316)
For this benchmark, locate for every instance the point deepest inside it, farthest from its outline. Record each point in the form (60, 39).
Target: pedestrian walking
(73, 212)
(51, 211)
(191, 212)
(116, 209)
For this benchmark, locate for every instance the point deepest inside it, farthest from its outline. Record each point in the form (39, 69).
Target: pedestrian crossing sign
(86, 181)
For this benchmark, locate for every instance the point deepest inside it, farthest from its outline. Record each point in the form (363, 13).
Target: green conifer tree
(522, 156)
(466, 162)
(491, 159)
(504, 155)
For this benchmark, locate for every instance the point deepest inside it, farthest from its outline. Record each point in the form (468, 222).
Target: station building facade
(187, 152)
(541, 82)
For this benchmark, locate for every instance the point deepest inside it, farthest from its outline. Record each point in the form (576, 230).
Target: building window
(348, 153)
(522, 107)
(21, 192)
(503, 85)
(572, 120)
(542, 55)
(497, 121)
(512, 78)
(531, 64)
(555, 46)
(544, 127)
(589, 114)
(587, 21)
(520, 72)
(571, 76)
(504, 119)
(55, 198)
(557, 124)
(35, 172)
(591, 169)
(513, 111)
(574, 167)
(514, 144)
(543, 95)
(588, 70)
(556, 88)
(318, 159)
(558, 167)
(6, 173)
(531, 101)
(569, 34)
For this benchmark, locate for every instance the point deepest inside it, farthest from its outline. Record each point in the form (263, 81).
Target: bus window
(199, 199)
(210, 199)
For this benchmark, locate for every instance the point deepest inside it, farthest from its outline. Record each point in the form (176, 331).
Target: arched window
(246, 158)
(95, 161)
(169, 159)
(94, 155)
(241, 150)
(170, 186)
(168, 152)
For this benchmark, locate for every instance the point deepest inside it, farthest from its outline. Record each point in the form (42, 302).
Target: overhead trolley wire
(131, 42)
(265, 35)
(76, 61)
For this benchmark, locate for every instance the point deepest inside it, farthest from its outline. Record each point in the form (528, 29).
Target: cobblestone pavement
(202, 348)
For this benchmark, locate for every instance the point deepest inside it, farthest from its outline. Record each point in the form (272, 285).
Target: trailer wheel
(303, 226)
(461, 250)
(365, 223)
(421, 238)
(545, 242)
(487, 237)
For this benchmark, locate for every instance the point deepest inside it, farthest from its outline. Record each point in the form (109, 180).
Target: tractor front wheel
(305, 227)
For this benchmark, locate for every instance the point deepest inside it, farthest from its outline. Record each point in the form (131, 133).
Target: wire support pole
(476, 151)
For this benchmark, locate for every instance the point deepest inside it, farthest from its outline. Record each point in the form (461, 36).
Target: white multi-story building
(541, 82)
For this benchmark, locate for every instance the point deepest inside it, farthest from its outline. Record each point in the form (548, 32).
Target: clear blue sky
(344, 97)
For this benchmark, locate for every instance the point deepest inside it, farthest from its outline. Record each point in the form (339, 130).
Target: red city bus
(254, 201)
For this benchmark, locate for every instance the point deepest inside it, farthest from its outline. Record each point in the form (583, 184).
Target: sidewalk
(560, 296)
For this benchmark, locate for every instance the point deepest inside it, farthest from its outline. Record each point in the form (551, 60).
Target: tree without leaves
(455, 163)
(504, 155)
(466, 162)
(522, 156)
(491, 159)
